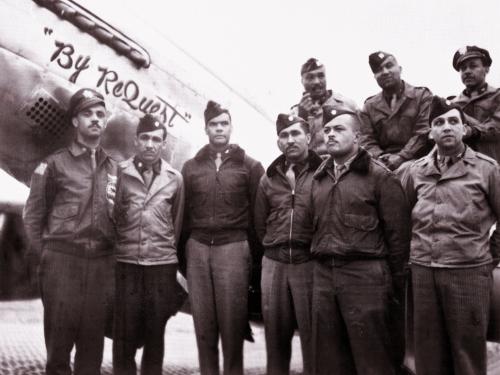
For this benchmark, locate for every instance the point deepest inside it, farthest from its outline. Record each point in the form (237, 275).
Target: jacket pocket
(63, 218)
(365, 223)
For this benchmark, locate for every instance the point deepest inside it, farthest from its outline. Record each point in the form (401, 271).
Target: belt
(339, 261)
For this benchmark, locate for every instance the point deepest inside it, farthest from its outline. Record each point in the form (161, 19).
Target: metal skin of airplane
(51, 48)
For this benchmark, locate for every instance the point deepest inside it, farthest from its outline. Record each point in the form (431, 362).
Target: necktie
(445, 163)
(394, 99)
(339, 170)
(218, 161)
(290, 175)
(93, 162)
(147, 175)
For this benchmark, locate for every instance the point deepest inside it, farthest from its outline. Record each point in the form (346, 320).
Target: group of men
(338, 230)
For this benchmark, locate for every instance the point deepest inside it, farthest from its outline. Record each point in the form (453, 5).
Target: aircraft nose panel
(45, 115)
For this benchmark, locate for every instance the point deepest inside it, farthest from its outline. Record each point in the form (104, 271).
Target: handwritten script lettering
(128, 90)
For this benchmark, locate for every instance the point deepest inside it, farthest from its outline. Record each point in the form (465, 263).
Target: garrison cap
(469, 52)
(213, 110)
(330, 112)
(376, 59)
(283, 121)
(82, 99)
(440, 106)
(310, 65)
(149, 123)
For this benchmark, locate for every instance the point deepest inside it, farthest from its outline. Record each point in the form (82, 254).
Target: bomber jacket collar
(128, 167)
(484, 88)
(313, 162)
(380, 102)
(234, 151)
(360, 164)
(77, 149)
(485, 91)
(459, 168)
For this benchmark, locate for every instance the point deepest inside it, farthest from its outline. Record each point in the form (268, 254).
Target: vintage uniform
(283, 221)
(360, 247)
(399, 130)
(67, 221)
(148, 217)
(315, 117)
(218, 218)
(453, 211)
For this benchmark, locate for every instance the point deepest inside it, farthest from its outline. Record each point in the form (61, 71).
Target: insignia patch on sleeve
(41, 168)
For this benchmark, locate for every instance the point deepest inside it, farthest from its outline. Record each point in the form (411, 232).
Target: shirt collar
(78, 149)
(347, 163)
(454, 158)
(399, 94)
(480, 90)
(139, 165)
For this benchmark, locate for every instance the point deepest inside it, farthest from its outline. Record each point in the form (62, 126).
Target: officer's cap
(283, 121)
(149, 123)
(213, 110)
(469, 52)
(440, 106)
(310, 65)
(330, 112)
(82, 99)
(376, 59)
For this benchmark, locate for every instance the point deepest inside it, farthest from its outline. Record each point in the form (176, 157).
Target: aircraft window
(100, 30)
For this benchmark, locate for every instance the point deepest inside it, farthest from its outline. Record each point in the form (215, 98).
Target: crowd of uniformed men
(360, 202)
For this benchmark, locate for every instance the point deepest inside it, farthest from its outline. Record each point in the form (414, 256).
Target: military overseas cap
(469, 52)
(283, 121)
(310, 65)
(440, 106)
(330, 112)
(213, 110)
(82, 99)
(376, 59)
(149, 123)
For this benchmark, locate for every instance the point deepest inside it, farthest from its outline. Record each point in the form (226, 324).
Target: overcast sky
(259, 46)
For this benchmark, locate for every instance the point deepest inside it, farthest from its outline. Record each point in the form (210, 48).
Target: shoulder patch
(41, 168)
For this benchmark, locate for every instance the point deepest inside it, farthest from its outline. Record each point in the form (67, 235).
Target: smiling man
(68, 224)
(284, 224)
(221, 182)
(316, 94)
(148, 216)
(395, 121)
(479, 101)
(455, 199)
(360, 248)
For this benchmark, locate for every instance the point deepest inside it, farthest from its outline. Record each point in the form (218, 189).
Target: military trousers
(218, 278)
(451, 312)
(145, 298)
(286, 304)
(351, 328)
(77, 296)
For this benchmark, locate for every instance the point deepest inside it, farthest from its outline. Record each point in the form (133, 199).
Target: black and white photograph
(268, 187)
